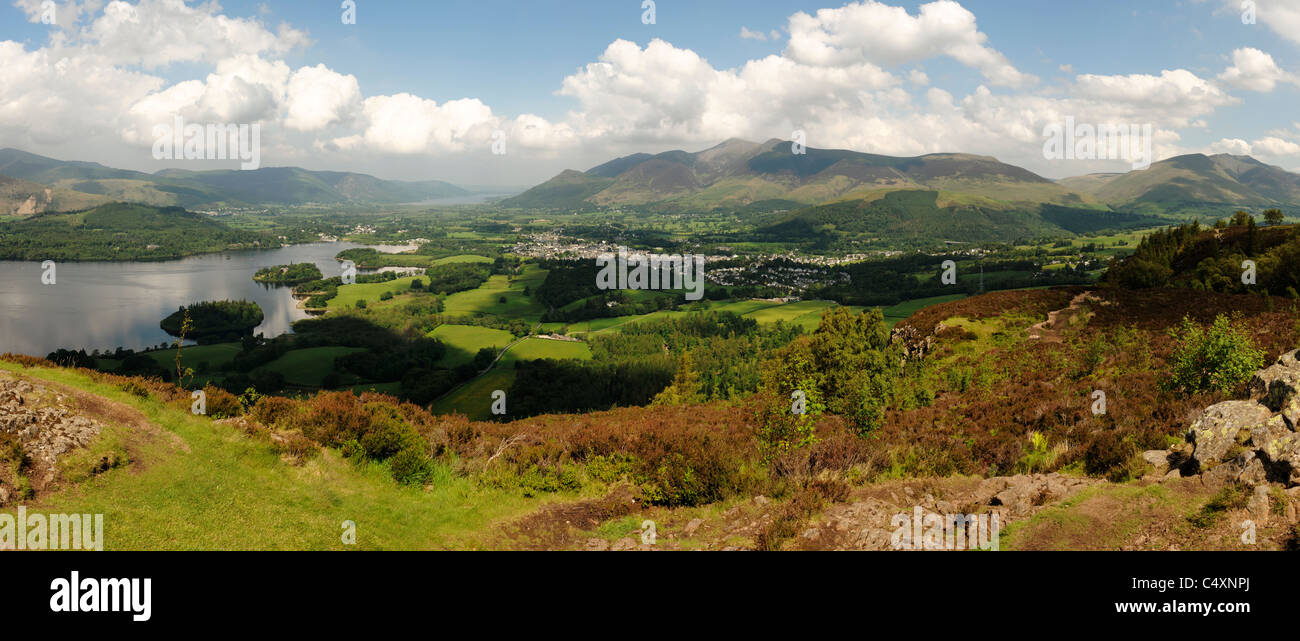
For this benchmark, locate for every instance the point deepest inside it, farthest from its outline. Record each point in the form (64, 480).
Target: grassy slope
(464, 341)
(370, 292)
(486, 299)
(308, 366)
(214, 488)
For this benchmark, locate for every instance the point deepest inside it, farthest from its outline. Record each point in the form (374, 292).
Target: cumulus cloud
(318, 97)
(1280, 16)
(1255, 70)
(877, 33)
(752, 35)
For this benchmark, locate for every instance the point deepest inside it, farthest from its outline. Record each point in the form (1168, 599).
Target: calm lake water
(104, 305)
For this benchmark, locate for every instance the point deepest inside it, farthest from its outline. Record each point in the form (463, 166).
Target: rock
(1158, 459)
(596, 545)
(624, 544)
(1268, 431)
(1283, 456)
(811, 533)
(1290, 360)
(1275, 386)
(1221, 428)
(4, 495)
(1259, 503)
(692, 527)
(761, 500)
(1253, 472)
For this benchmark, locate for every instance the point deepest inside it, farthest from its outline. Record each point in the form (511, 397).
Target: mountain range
(768, 175)
(30, 183)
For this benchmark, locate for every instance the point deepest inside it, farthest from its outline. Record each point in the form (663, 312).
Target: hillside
(737, 173)
(192, 189)
(25, 198)
(1195, 184)
(119, 231)
(1057, 475)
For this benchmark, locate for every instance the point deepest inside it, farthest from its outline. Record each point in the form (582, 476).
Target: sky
(420, 90)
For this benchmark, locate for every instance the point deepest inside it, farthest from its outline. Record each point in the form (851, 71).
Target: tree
(685, 388)
(1274, 216)
(848, 363)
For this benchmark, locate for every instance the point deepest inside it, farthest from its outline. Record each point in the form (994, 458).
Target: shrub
(134, 388)
(274, 410)
(1218, 359)
(221, 404)
(410, 466)
(1229, 498)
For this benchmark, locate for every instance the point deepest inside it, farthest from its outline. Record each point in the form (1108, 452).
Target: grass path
(213, 488)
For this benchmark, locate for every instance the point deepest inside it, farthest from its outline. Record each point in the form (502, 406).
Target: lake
(106, 304)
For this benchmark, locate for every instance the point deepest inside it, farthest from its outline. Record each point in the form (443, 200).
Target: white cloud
(1280, 16)
(752, 35)
(1255, 70)
(319, 97)
(1272, 146)
(876, 33)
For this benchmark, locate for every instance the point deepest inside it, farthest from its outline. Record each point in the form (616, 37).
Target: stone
(1275, 386)
(624, 544)
(1283, 455)
(1220, 428)
(692, 527)
(1158, 459)
(1259, 503)
(1268, 431)
(596, 545)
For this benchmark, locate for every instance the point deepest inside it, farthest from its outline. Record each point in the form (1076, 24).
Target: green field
(531, 349)
(349, 294)
(464, 341)
(463, 258)
(309, 366)
(487, 298)
(474, 399)
(903, 310)
(210, 487)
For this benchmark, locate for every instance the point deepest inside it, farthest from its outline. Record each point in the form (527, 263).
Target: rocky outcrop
(44, 425)
(1253, 441)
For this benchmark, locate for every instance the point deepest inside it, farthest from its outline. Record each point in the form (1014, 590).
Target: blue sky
(512, 58)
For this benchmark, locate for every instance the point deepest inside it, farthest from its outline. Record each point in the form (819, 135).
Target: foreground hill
(1195, 184)
(190, 189)
(738, 173)
(1006, 429)
(119, 231)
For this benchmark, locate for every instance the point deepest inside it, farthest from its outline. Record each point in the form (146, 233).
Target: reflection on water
(106, 305)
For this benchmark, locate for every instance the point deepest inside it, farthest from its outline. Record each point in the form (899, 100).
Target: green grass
(537, 348)
(474, 399)
(905, 309)
(308, 366)
(209, 487)
(487, 298)
(462, 258)
(464, 341)
(370, 292)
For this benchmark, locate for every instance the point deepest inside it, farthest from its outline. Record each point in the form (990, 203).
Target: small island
(213, 321)
(288, 274)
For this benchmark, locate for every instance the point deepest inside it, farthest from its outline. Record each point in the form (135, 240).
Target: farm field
(487, 298)
(370, 292)
(464, 341)
(538, 348)
(308, 367)
(474, 399)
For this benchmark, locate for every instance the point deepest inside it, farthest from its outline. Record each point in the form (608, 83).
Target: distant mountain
(192, 189)
(25, 198)
(1194, 183)
(740, 173)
